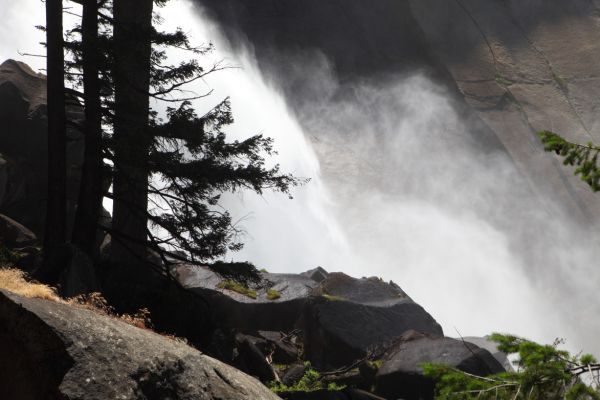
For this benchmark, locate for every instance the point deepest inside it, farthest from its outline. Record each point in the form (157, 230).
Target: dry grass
(14, 281)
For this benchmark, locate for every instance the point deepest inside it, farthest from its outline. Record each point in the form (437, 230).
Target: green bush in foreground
(544, 373)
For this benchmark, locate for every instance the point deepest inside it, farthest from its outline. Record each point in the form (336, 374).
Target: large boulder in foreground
(351, 317)
(51, 351)
(401, 375)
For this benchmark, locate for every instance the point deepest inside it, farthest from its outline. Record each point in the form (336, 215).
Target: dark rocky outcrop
(342, 318)
(353, 316)
(401, 375)
(253, 360)
(55, 351)
(14, 235)
(23, 146)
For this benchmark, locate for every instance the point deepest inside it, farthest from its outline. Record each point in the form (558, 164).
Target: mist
(400, 188)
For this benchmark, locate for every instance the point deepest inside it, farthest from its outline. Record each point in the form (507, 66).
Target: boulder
(354, 316)
(317, 274)
(230, 309)
(492, 347)
(14, 235)
(252, 360)
(57, 351)
(401, 375)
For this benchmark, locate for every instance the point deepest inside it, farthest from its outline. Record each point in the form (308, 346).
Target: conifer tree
(89, 204)
(55, 227)
(181, 164)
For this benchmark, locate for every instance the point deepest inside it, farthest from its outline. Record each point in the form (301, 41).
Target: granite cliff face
(512, 67)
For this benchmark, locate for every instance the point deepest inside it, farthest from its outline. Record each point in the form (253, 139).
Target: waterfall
(399, 189)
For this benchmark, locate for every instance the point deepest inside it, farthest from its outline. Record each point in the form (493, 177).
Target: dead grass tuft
(15, 281)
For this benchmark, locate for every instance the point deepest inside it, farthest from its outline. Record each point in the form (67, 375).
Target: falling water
(408, 198)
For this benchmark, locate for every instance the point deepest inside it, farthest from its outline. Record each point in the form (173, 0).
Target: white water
(440, 238)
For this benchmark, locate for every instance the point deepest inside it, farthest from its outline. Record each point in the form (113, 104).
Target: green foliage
(310, 382)
(544, 373)
(273, 294)
(243, 272)
(376, 363)
(583, 157)
(238, 288)
(191, 162)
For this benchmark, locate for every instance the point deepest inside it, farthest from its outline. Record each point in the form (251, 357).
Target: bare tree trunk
(89, 204)
(132, 38)
(55, 229)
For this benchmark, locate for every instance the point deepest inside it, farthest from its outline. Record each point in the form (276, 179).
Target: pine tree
(89, 204)
(181, 164)
(55, 228)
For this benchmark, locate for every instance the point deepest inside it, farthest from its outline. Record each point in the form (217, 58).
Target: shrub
(310, 382)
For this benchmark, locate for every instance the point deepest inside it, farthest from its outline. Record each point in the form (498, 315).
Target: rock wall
(24, 144)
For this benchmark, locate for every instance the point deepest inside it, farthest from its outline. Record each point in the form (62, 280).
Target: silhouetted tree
(55, 227)
(181, 164)
(89, 204)
(131, 138)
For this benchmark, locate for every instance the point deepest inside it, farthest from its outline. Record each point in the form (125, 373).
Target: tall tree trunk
(55, 230)
(89, 204)
(132, 37)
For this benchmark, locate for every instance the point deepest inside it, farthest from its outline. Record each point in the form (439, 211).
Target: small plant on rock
(310, 382)
(238, 288)
(273, 294)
